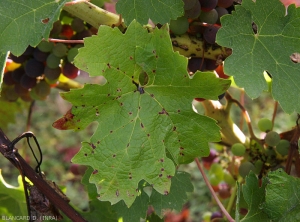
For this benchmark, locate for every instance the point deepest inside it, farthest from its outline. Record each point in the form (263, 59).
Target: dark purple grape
(210, 64)
(195, 64)
(207, 5)
(8, 79)
(28, 82)
(81, 35)
(210, 158)
(34, 68)
(17, 74)
(39, 55)
(18, 59)
(225, 3)
(210, 33)
(216, 215)
(221, 11)
(52, 74)
(70, 71)
(29, 50)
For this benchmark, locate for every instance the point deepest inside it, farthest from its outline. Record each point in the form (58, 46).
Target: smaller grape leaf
(282, 201)
(144, 129)
(9, 110)
(158, 11)
(263, 38)
(12, 199)
(181, 184)
(254, 195)
(24, 23)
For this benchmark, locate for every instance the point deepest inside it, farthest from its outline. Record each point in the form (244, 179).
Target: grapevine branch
(227, 215)
(36, 179)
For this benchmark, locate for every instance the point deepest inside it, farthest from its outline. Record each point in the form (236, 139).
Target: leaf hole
(117, 193)
(166, 192)
(295, 57)
(97, 113)
(254, 27)
(45, 21)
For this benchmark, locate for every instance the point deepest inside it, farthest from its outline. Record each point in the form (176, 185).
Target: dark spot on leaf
(78, 120)
(108, 94)
(156, 56)
(148, 134)
(162, 169)
(93, 152)
(154, 71)
(179, 141)
(178, 111)
(83, 105)
(141, 90)
(93, 145)
(142, 125)
(163, 141)
(128, 144)
(130, 177)
(254, 27)
(174, 128)
(166, 192)
(78, 128)
(169, 176)
(118, 97)
(160, 175)
(118, 68)
(121, 104)
(85, 154)
(153, 51)
(98, 142)
(131, 58)
(95, 171)
(97, 113)
(136, 190)
(152, 95)
(161, 160)
(102, 70)
(81, 95)
(108, 65)
(114, 155)
(163, 112)
(45, 21)
(111, 131)
(181, 154)
(181, 148)
(130, 113)
(139, 107)
(75, 107)
(119, 90)
(132, 77)
(117, 193)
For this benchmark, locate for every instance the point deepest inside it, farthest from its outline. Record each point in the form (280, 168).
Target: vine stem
(245, 115)
(227, 215)
(65, 41)
(274, 113)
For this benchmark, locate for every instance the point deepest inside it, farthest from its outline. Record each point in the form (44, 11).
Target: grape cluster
(202, 19)
(31, 75)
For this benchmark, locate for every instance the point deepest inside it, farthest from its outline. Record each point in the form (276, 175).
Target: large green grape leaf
(254, 195)
(12, 200)
(263, 38)
(2, 66)
(156, 10)
(282, 197)
(24, 23)
(143, 132)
